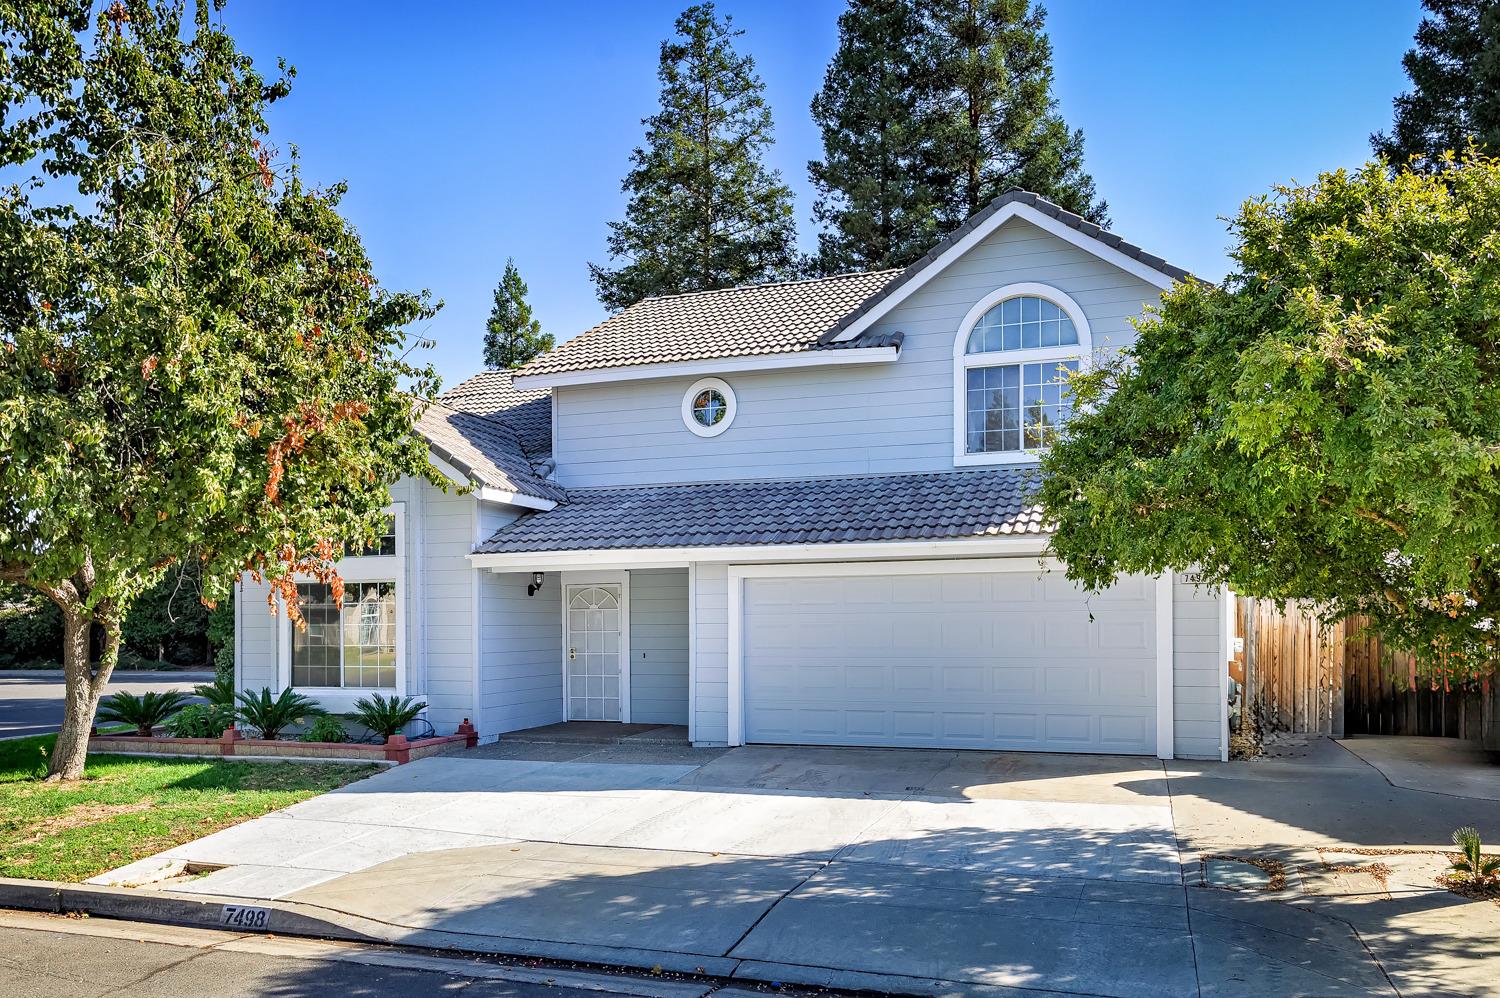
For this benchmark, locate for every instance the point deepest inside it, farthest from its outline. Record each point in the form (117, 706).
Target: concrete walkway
(923, 872)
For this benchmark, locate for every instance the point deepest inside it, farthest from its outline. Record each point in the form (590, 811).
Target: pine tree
(997, 124)
(1455, 96)
(512, 336)
(704, 211)
(873, 203)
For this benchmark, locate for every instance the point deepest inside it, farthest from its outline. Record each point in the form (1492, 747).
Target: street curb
(293, 919)
(147, 906)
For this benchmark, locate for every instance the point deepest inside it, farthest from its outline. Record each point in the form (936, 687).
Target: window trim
(722, 387)
(361, 568)
(963, 361)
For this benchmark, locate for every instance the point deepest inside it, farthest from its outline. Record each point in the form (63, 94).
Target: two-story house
(784, 513)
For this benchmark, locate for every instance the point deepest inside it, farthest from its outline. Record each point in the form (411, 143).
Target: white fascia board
(638, 558)
(449, 472)
(715, 365)
(489, 494)
(1026, 213)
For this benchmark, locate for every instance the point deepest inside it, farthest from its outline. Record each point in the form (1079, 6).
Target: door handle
(572, 653)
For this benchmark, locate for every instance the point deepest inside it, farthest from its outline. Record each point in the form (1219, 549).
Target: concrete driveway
(916, 871)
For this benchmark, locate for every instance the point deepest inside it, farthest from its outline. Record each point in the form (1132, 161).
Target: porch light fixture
(537, 578)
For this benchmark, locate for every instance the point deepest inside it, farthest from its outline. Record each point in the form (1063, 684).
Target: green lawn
(126, 808)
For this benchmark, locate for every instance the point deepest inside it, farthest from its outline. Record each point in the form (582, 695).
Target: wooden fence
(1305, 677)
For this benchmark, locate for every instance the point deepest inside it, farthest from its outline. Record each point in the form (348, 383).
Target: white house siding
(255, 637)
(443, 602)
(1198, 664)
(520, 646)
(436, 594)
(809, 422)
(659, 646)
(710, 595)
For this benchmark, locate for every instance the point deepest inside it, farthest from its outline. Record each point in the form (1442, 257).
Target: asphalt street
(48, 956)
(31, 700)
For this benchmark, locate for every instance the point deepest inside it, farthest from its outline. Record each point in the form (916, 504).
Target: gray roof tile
(529, 413)
(757, 319)
(944, 505)
(485, 448)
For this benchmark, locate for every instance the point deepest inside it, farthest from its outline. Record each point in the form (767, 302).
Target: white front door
(593, 654)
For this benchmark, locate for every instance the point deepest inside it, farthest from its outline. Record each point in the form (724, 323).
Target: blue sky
(469, 132)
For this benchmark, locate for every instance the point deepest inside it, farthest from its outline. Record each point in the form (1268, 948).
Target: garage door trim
(739, 573)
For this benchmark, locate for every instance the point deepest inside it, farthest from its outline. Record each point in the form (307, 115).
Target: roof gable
(1024, 205)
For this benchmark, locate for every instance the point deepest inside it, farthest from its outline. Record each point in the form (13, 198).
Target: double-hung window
(1013, 357)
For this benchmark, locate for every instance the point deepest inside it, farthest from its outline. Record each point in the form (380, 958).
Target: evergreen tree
(873, 202)
(704, 211)
(997, 124)
(512, 336)
(1455, 75)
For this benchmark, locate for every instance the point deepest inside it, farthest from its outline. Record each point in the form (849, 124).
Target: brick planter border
(399, 749)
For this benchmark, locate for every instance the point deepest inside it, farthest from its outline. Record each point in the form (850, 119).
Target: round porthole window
(708, 407)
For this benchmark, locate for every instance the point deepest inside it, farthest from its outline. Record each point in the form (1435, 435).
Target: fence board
(1307, 677)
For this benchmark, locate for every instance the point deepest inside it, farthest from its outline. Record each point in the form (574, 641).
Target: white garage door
(962, 659)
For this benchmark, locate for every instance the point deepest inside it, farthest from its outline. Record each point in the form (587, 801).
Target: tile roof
(977, 219)
(485, 448)
(943, 505)
(757, 319)
(529, 413)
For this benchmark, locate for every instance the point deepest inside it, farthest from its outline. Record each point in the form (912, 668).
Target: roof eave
(710, 366)
(465, 475)
(1020, 543)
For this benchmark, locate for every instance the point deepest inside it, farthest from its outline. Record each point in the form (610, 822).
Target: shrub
(326, 728)
(145, 711)
(386, 717)
(1472, 865)
(201, 720)
(269, 715)
(220, 692)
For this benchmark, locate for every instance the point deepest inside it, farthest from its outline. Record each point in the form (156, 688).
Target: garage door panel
(1001, 660)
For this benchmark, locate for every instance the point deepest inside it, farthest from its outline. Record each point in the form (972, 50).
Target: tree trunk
(83, 688)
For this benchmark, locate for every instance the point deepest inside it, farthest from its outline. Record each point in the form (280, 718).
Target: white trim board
(1004, 545)
(1026, 213)
(711, 366)
(1165, 666)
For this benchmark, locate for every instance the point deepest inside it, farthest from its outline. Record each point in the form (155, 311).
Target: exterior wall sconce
(537, 578)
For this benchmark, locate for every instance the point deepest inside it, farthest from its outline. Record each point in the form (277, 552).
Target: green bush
(145, 711)
(30, 627)
(201, 720)
(271, 715)
(325, 729)
(386, 717)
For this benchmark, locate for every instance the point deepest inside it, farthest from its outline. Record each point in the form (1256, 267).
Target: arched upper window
(1013, 356)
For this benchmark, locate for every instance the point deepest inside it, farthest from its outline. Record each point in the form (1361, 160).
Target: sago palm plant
(269, 715)
(386, 716)
(145, 711)
(1473, 865)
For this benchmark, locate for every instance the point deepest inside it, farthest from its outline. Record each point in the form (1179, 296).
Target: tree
(704, 211)
(195, 361)
(1323, 426)
(1455, 96)
(996, 122)
(512, 336)
(874, 203)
